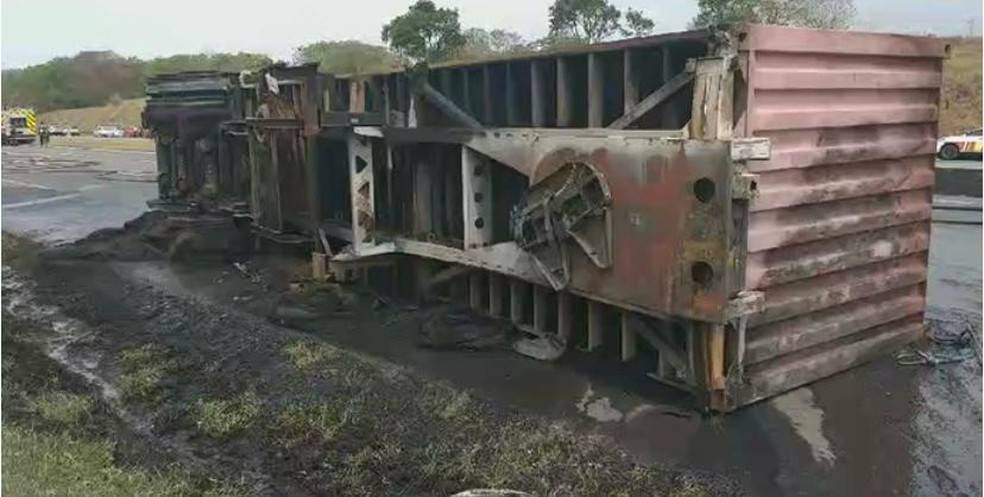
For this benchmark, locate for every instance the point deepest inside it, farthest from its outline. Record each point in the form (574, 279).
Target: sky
(34, 31)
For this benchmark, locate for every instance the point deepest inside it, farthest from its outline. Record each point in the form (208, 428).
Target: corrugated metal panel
(839, 233)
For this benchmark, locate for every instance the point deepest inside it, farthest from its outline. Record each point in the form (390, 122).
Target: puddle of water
(807, 420)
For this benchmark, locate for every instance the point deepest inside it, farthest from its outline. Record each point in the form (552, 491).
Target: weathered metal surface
(838, 233)
(764, 223)
(199, 158)
(285, 196)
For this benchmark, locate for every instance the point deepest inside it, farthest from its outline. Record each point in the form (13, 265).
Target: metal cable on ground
(969, 338)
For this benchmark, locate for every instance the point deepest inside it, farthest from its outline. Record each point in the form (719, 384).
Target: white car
(952, 147)
(108, 131)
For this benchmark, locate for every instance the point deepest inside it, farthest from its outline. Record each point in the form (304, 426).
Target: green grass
(91, 142)
(960, 105)
(297, 423)
(36, 463)
(144, 371)
(227, 418)
(65, 408)
(308, 354)
(124, 113)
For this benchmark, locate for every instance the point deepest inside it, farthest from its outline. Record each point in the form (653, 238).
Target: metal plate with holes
(669, 209)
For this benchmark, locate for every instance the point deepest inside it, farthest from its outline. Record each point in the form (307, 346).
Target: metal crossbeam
(655, 98)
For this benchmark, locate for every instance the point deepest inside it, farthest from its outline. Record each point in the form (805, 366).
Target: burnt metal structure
(200, 136)
(737, 211)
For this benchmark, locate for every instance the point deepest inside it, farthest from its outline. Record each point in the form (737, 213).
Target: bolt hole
(702, 273)
(479, 223)
(479, 197)
(704, 190)
(479, 169)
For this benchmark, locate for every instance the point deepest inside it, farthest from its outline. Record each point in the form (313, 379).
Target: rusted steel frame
(630, 82)
(362, 192)
(512, 107)
(476, 199)
(446, 106)
(670, 117)
(505, 259)
(712, 113)
(655, 98)
(596, 88)
(533, 153)
(514, 147)
(275, 123)
(563, 93)
(538, 116)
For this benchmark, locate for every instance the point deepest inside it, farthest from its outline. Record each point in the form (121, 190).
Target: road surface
(876, 430)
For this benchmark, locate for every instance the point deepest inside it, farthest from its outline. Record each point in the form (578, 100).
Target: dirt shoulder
(265, 408)
(138, 144)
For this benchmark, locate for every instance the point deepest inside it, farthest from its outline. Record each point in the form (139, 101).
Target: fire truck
(20, 125)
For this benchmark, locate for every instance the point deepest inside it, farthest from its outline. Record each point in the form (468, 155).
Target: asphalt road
(61, 194)
(876, 430)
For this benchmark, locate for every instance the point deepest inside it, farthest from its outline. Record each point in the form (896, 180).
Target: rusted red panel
(660, 229)
(839, 233)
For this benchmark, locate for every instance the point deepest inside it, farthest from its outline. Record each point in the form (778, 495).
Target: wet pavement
(61, 193)
(881, 429)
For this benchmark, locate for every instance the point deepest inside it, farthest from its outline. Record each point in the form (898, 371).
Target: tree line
(424, 33)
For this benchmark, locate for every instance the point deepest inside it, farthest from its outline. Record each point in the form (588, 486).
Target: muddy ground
(217, 385)
(881, 429)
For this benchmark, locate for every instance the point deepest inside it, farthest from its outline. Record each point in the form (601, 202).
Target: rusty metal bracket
(745, 303)
(744, 186)
(751, 149)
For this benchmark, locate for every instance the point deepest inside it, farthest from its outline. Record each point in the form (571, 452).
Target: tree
(424, 33)
(93, 78)
(480, 43)
(346, 57)
(588, 20)
(227, 62)
(829, 14)
(637, 24)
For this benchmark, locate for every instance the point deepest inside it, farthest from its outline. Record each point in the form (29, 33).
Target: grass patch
(123, 113)
(36, 463)
(299, 423)
(65, 408)
(91, 142)
(227, 418)
(144, 370)
(59, 464)
(960, 105)
(307, 354)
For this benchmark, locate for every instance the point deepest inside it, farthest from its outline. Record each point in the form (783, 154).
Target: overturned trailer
(736, 211)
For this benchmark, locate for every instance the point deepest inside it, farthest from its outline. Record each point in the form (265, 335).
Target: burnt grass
(276, 411)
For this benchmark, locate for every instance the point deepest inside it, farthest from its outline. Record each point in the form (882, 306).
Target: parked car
(108, 131)
(132, 132)
(956, 146)
(73, 131)
(57, 130)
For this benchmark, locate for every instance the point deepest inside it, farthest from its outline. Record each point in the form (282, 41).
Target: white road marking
(41, 201)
